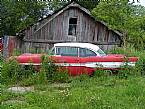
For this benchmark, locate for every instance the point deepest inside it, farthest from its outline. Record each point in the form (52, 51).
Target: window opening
(72, 26)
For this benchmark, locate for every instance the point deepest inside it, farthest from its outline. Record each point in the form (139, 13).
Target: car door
(87, 61)
(67, 57)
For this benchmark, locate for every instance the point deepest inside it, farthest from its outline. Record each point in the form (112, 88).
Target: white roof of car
(82, 45)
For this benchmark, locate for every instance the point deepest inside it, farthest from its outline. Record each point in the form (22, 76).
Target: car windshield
(101, 52)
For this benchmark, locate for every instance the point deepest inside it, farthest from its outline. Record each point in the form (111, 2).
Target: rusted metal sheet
(9, 45)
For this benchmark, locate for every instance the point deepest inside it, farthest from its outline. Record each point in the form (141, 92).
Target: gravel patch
(20, 89)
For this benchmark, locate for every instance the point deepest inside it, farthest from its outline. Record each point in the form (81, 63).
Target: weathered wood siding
(88, 30)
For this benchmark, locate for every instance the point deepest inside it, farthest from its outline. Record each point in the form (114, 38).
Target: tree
(124, 17)
(89, 4)
(56, 4)
(16, 15)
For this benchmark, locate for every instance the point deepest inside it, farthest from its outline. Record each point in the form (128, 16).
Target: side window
(86, 52)
(67, 51)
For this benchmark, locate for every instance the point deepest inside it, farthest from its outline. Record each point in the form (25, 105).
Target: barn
(71, 23)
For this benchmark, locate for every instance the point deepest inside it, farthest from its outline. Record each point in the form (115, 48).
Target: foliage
(141, 64)
(102, 73)
(13, 73)
(52, 72)
(61, 76)
(124, 17)
(57, 4)
(89, 4)
(17, 15)
(127, 50)
(130, 51)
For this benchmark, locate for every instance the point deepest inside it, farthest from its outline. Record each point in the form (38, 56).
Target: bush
(129, 50)
(125, 71)
(61, 75)
(140, 65)
(31, 80)
(80, 78)
(13, 73)
(102, 73)
(52, 72)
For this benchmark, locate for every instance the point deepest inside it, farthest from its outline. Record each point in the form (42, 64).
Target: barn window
(72, 26)
(113, 38)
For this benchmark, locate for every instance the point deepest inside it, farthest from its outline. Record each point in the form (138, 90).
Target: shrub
(52, 72)
(125, 71)
(41, 77)
(13, 73)
(129, 50)
(140, 65)
(61, 75)
(31, 80)
(80, 78)
(102, 73)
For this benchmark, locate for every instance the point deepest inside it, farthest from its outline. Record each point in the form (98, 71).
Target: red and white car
(80, 58)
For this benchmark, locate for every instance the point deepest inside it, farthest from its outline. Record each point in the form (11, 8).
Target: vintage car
(80, 58)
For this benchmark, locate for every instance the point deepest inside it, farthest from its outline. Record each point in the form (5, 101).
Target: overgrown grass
(90, 93)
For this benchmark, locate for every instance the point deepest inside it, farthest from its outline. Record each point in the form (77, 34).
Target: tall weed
(52, 72)
(12, 72)
(129, 50)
